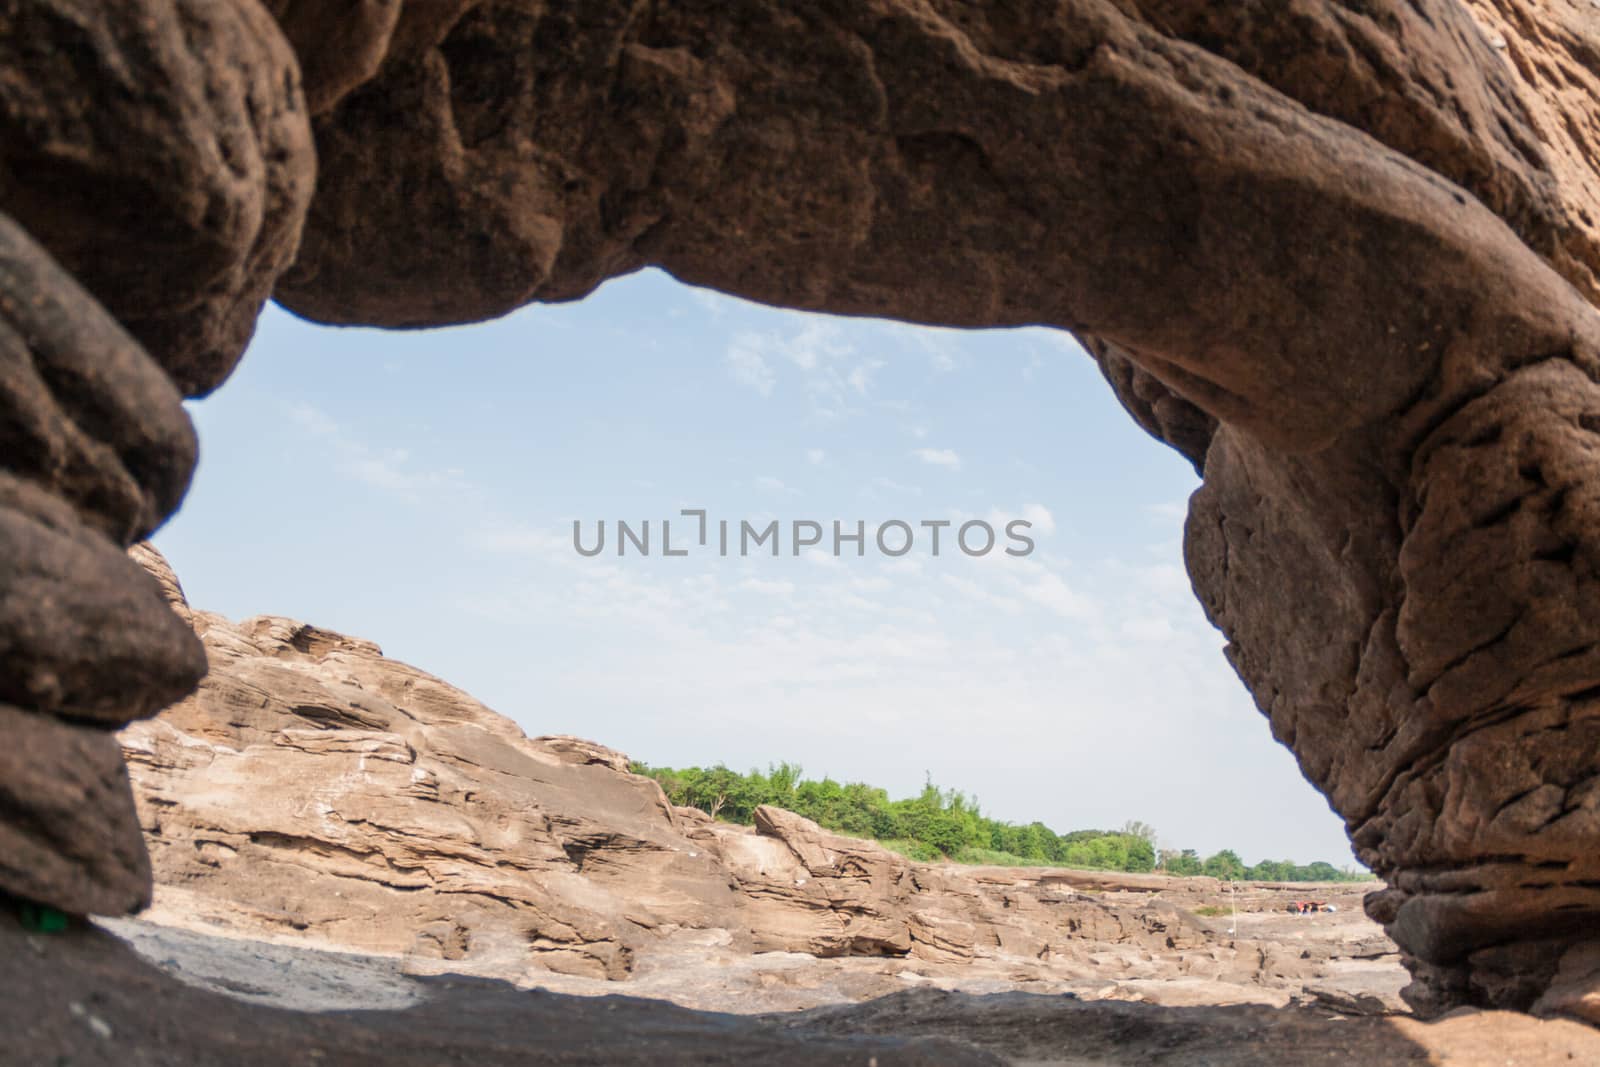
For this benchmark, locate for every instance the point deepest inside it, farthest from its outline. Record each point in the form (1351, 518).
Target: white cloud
(939, 457)
(757, 585)
(1042, 520)
(387, 469)
(1048, 589)
(769, 484)
(889, 485)
(749, 366)
(860, 376)
(830, 370)
(1170, 510)
(815, 456)
(519, 539)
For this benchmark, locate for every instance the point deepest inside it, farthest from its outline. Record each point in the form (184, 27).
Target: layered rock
(316, 791)
(97, 450)
(155, 165)
(84, 997)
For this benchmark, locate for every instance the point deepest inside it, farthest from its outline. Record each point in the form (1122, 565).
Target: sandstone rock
(314, 791)
(1548, 57)
(1159, 411)
(1328, 298)
(83, 630)
(707, 169)
(155, 564)
(86, 414)
(84, 998)
(161, 151)
(68, 835)
(98, 450)
(571, 749)
(339, 47)
(1575, 990)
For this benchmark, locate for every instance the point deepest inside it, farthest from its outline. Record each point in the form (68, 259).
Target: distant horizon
(417, 489)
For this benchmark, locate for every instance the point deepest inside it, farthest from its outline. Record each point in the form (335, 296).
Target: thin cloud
(749, 366)
(386, 469)
(769, 484)
(939, 457)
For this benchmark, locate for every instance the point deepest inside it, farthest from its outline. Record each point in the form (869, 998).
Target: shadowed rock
(160, 150)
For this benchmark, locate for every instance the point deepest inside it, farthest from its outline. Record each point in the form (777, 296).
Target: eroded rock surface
(1341, 255)
(95, 449)
(161, 151)
(319, 793)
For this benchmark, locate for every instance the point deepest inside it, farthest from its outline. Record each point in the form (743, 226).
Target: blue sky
(418, 489)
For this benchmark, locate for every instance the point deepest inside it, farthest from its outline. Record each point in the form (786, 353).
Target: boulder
(161, 151)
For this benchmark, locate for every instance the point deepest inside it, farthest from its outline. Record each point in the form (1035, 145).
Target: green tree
(1185, 863)
(1225, 865)
(947, 823)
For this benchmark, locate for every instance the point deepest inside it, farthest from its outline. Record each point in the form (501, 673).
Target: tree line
(939, 824)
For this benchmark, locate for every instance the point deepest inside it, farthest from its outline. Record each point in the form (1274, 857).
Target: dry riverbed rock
(318, 792)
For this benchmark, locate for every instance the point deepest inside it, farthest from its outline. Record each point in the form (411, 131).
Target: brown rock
(571, 749)
(98, 450)
(68, 835)
(156, 565)
(161, 151)
(82, 997)
(95, 450)
(84, 413)
(339, 46)
(314, 789)
(83, 630)
(1335, 300)
(312, 785)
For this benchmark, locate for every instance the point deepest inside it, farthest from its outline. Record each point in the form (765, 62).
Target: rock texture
(314, 791)
(96, 451)
(161, 151)
(1341, 254)
(85, 998)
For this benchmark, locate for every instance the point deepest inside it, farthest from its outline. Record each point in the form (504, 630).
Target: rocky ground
(82, 998)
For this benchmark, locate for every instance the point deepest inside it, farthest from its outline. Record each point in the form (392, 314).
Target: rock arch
(1340, 253)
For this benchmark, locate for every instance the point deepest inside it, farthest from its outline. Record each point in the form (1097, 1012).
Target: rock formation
(316, 791)
(1342, 255)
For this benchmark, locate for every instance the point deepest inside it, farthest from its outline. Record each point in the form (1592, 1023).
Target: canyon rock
(316, 792)
(98, 451)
